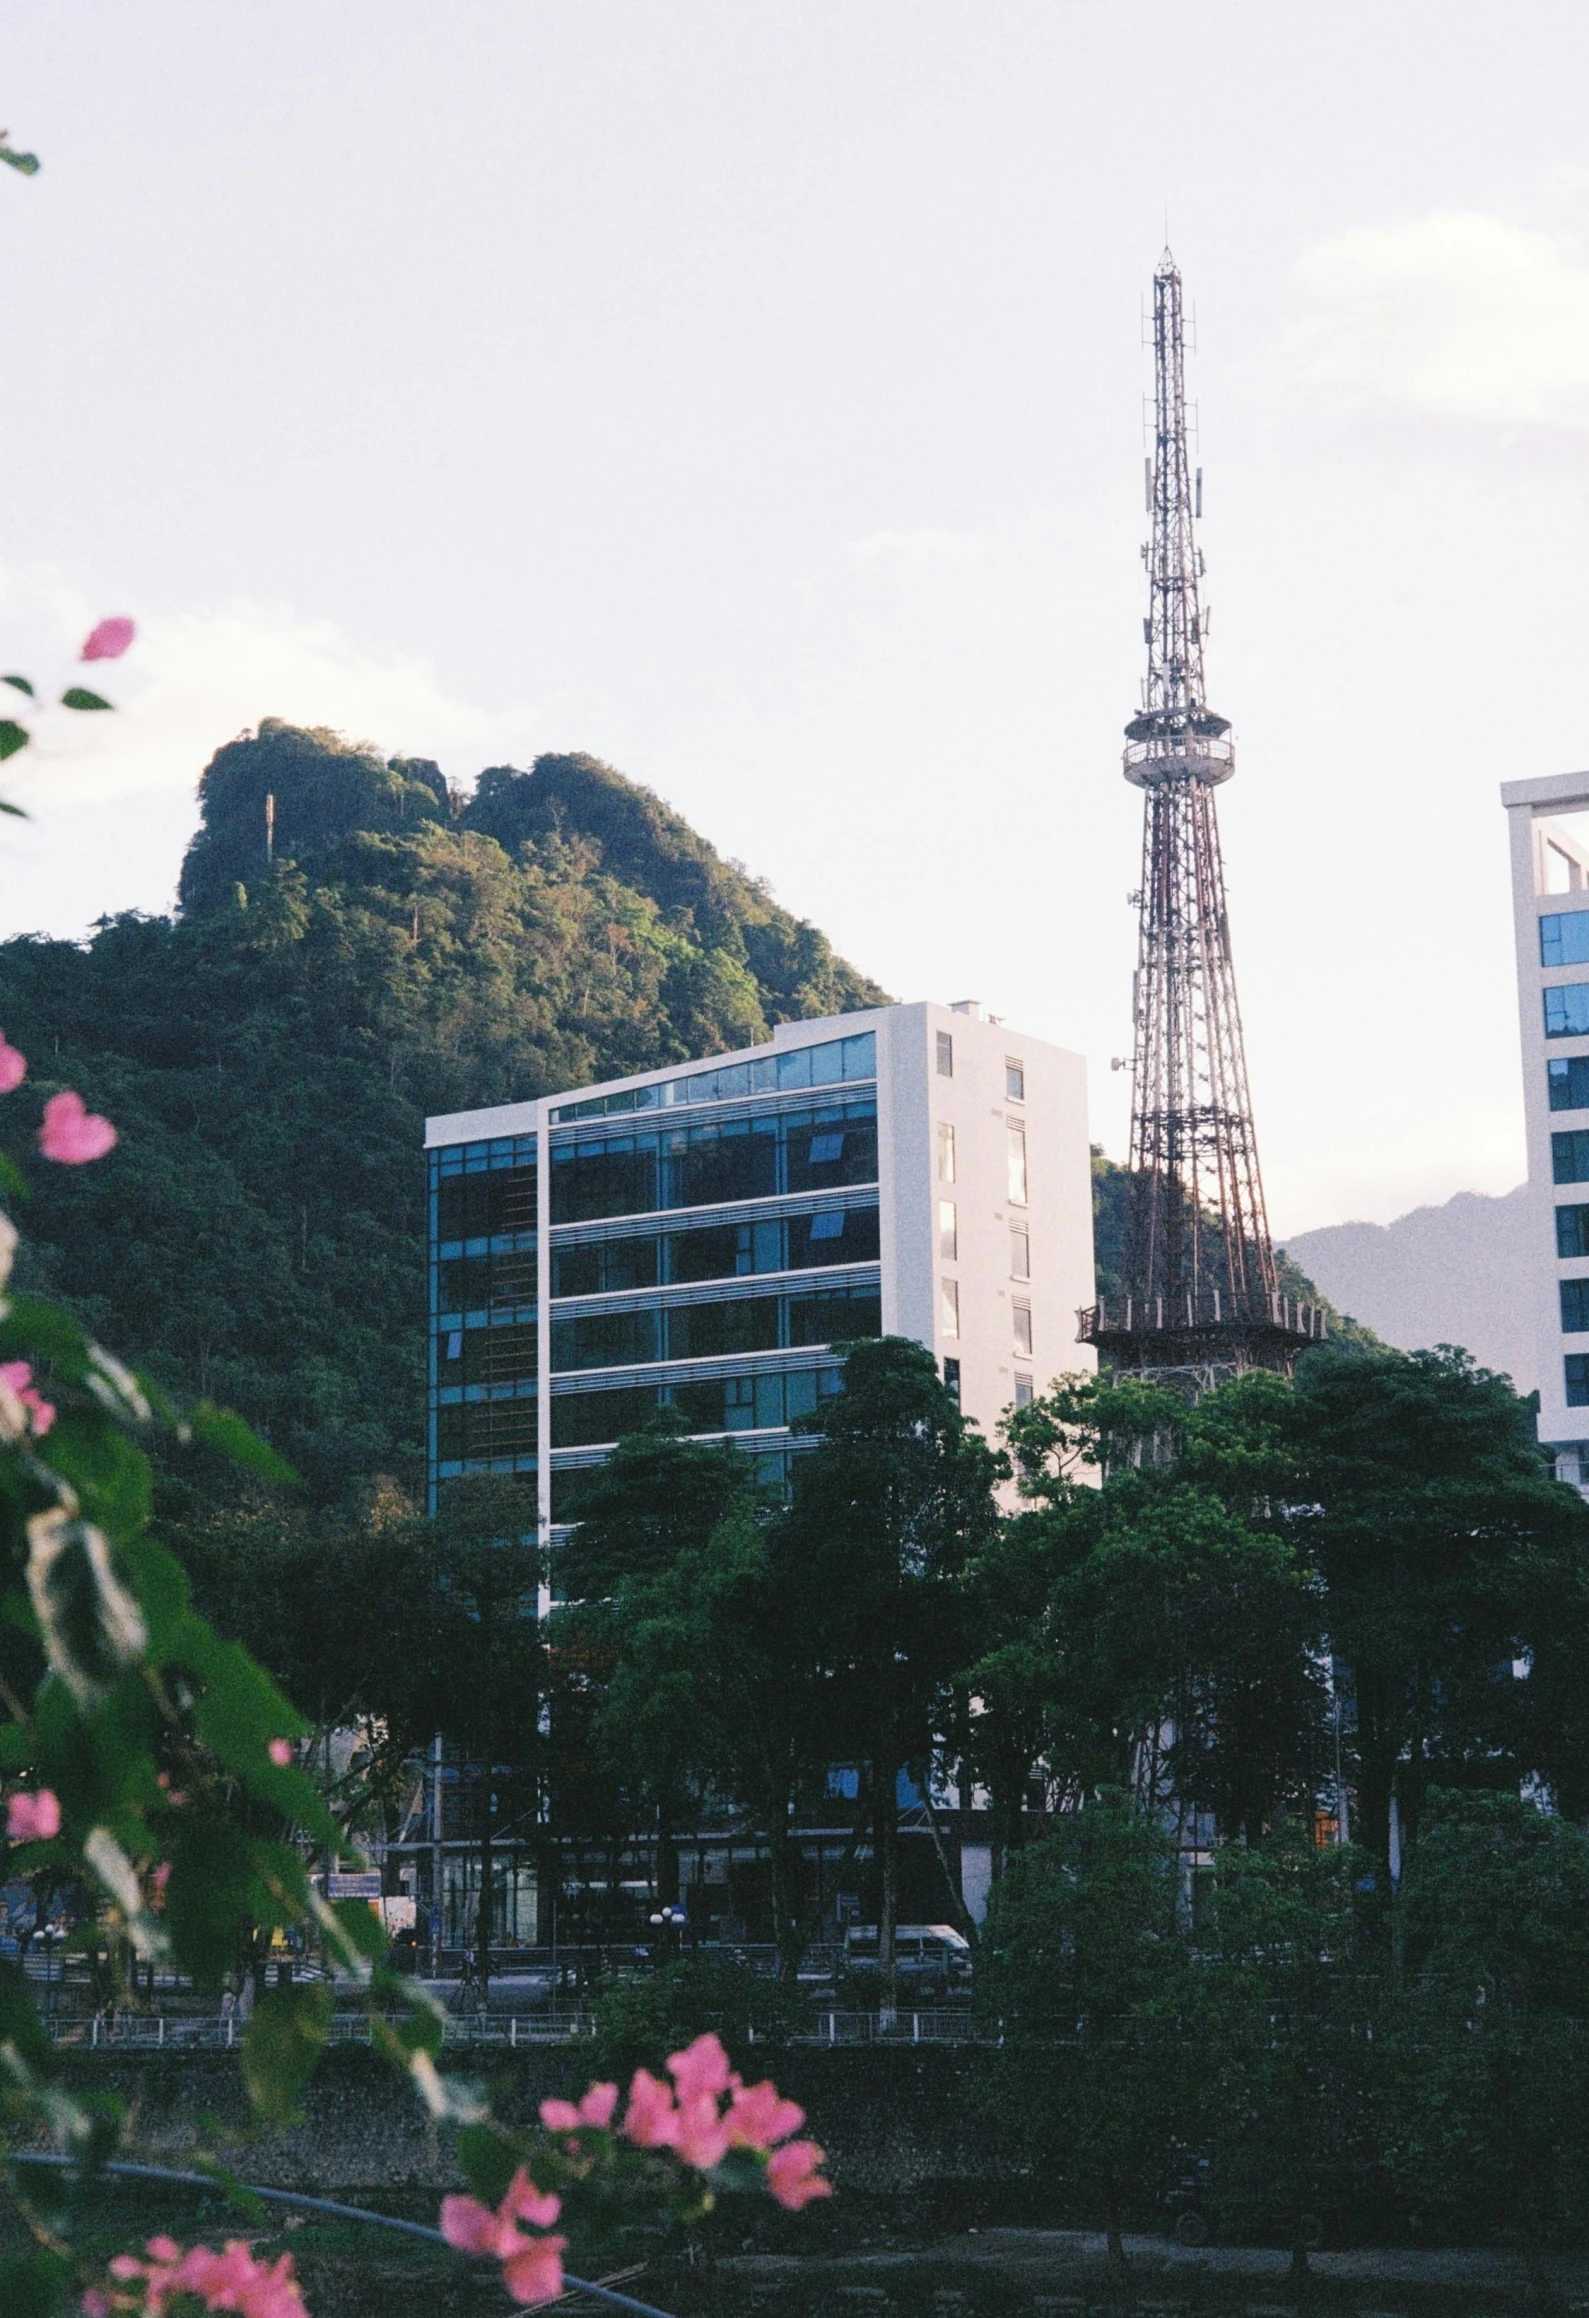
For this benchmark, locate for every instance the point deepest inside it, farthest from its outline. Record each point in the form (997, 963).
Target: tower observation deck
(1200, 1299)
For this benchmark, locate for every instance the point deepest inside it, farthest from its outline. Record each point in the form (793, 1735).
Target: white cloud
(110, 798)
(1457, 313)
(193, 679)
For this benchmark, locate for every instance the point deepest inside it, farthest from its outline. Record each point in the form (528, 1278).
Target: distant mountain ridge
(1452, 1274)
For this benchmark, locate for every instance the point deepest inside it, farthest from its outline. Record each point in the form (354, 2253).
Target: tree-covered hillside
(270, 1055)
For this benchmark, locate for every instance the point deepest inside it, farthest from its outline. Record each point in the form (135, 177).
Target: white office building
(1550, 896)
(703, 1235)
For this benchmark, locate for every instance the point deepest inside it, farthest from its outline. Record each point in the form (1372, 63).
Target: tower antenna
(1200, 1300)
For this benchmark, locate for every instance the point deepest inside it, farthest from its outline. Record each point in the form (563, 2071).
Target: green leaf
(19, 2021)
(39, 2285)
(15, 811)
(20, 682)
(487, 2160)
(282, 2047)
(110, 1473)
(220, 1430)
(13, 736)
(13, 1182)
(79, 696)
(28, 164)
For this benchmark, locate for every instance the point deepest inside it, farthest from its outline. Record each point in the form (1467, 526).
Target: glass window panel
(1020, 1252)
(827, 1063)
(794, 1069)
(860, 1056)
(951, 1376)
(581, 1419)
(477, 1206)
(1568, 1079)
(1572, 1231)
(604, 1339)
(704, 1331)
(1016, 1144)
(1569, 1156)
(1575, 1307)
(770, 1401)
(720, 1253)
(841, 1236)
(946, 1152)
(1025, 1392)
(1567, 1010)
(1021, 1313)
(1577, 1367)
(711, 1166)
(1014, 1081)
(611, 1178)
(835, 1317)
(949, 1307)
(946, 1054)
(948, 1231)
(823, 1157)
(499, 1355)
(1564, 939)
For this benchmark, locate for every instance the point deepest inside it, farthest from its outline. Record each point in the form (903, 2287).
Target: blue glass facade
(1567, 1010)
(484, 1308)
(1564, 938)
(705, 1257)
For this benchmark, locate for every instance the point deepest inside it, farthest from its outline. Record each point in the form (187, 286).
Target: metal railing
(569, 2024)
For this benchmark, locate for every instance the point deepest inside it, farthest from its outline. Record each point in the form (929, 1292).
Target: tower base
(1192, 1351)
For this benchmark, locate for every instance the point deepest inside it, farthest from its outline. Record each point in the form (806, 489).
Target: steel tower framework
(1200, 1298)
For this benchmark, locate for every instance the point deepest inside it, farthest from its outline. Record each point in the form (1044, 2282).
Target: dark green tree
(889, 1508)
(1083, 1969)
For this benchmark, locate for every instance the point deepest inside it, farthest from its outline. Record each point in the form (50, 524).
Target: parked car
(930, 1960)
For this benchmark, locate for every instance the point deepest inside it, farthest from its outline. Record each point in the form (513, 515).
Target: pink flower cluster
(71, 1133)
(33, 1817)
(532, 2268)
(18, 1377)
(705, 2112)
(232, 2280)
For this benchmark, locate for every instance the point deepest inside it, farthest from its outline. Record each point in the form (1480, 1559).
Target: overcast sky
(750, 392)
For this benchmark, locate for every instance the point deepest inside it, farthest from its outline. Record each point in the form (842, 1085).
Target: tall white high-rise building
(702, 1236)
(1550, 898)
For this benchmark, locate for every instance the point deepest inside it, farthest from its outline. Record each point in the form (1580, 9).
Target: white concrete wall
(1529, 805)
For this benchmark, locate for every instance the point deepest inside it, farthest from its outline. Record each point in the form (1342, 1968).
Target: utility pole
(1200, 1299)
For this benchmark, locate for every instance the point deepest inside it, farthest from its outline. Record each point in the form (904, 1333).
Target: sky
(753, 397)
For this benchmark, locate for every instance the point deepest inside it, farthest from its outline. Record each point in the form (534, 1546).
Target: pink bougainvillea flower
(73, 1134)
(536, 2273)
(110, 639)
(699, 2133)
(17, 1377)
(759, 2115)
(160, 1878)
(281, 1753)
(231, 2280)
(532, 2268)
(650, 2119)
(596, 2108)
(472, 2227)
(97, 2303)
(524, 2202)
(792, 2175)
(702, 2067)
(33, 1817)
(13, 1066)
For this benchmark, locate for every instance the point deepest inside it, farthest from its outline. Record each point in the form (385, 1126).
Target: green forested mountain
(269, 1055)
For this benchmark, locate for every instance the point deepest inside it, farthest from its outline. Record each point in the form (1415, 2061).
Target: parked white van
(930, 1959)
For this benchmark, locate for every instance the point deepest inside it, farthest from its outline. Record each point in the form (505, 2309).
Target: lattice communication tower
(1199, 1296)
